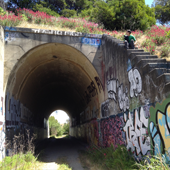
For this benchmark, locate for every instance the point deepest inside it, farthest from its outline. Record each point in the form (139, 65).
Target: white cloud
(60, 115)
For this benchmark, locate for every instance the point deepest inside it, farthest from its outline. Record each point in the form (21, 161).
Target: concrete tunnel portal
(54, 76)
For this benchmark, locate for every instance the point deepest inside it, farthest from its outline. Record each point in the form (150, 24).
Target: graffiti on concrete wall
(105, 110)
(88, 114)
(92, 90)
(92, 132)
(99, 83)
(2, 131)
(10, 36)
(159, 127)
(91, 41)
(112, 132)
(118, 93)
(67, 33)
(135, 82)
(16, 112)
(137, 137)
(57, 32)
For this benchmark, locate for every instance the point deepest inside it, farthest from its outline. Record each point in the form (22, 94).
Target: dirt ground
(53, 150)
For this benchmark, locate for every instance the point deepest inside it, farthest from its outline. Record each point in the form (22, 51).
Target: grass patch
(98, 158)
(19, 161)
(63, 164)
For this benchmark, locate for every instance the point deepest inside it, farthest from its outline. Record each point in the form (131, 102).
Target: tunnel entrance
(58, 123)
(50, 77)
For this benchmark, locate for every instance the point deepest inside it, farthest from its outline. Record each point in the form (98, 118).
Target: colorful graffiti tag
(112, 132)
(137, 137)
(91, 41)
(159, 126)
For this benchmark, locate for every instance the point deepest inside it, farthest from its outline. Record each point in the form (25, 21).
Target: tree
(66, 127)
(162, 11)
(45, 7)
(2, 4)
(123, 14)
(55, 127)
(101, 13)
(13, 4)
(68, 13)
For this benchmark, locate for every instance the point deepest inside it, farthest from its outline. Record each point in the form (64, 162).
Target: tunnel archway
(50, 77)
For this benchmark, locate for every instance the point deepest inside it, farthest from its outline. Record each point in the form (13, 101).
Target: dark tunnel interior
(52, 77)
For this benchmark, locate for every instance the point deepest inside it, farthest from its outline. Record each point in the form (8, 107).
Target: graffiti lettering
(123, 98)
(99, 84)
(16, 112)
(91, 92)
(117, 93)
(10, 36)
(160, 128)
(137, 138)
(91, 41)
(105, 109)
(111, 132)
(135, 82)
(92, 89)
(65, 33)
(111, 88)
(56, 32)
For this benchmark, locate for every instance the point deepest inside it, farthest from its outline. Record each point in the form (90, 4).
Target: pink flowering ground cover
(155, 40)
(10, 20)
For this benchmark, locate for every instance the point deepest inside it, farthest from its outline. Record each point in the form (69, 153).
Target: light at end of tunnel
(61, 116)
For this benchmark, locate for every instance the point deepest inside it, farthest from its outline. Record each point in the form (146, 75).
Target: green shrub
(168, 34)
(82, 29)
(24, 17)
(68, 24)
(165, 50)
(18, 161)
(149, 46)
(153, 163)
(111, 158)
(85, 13)
(2, 12)
(46, 7)
(68, 13)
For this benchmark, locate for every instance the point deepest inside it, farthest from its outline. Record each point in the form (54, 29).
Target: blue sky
(148, 2)
(60, 115)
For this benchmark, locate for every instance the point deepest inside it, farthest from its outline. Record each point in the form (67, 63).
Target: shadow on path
(53, 149)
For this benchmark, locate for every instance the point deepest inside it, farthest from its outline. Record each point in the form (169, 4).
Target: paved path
(59, 148)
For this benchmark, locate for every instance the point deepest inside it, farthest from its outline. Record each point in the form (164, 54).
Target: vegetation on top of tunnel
(155, 39)
(56, 129)
(119, 159)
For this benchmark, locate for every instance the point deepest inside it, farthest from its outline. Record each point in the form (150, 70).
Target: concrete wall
(18, 43)
(2, 113)
(136, 110)
(135, 87)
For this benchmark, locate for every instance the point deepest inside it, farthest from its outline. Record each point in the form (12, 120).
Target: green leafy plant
(165, 50)
(110, 157)
(2, 12)
(82, 29)
(168, 34)
(24, 17)
(68, 13)
(153, 163)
